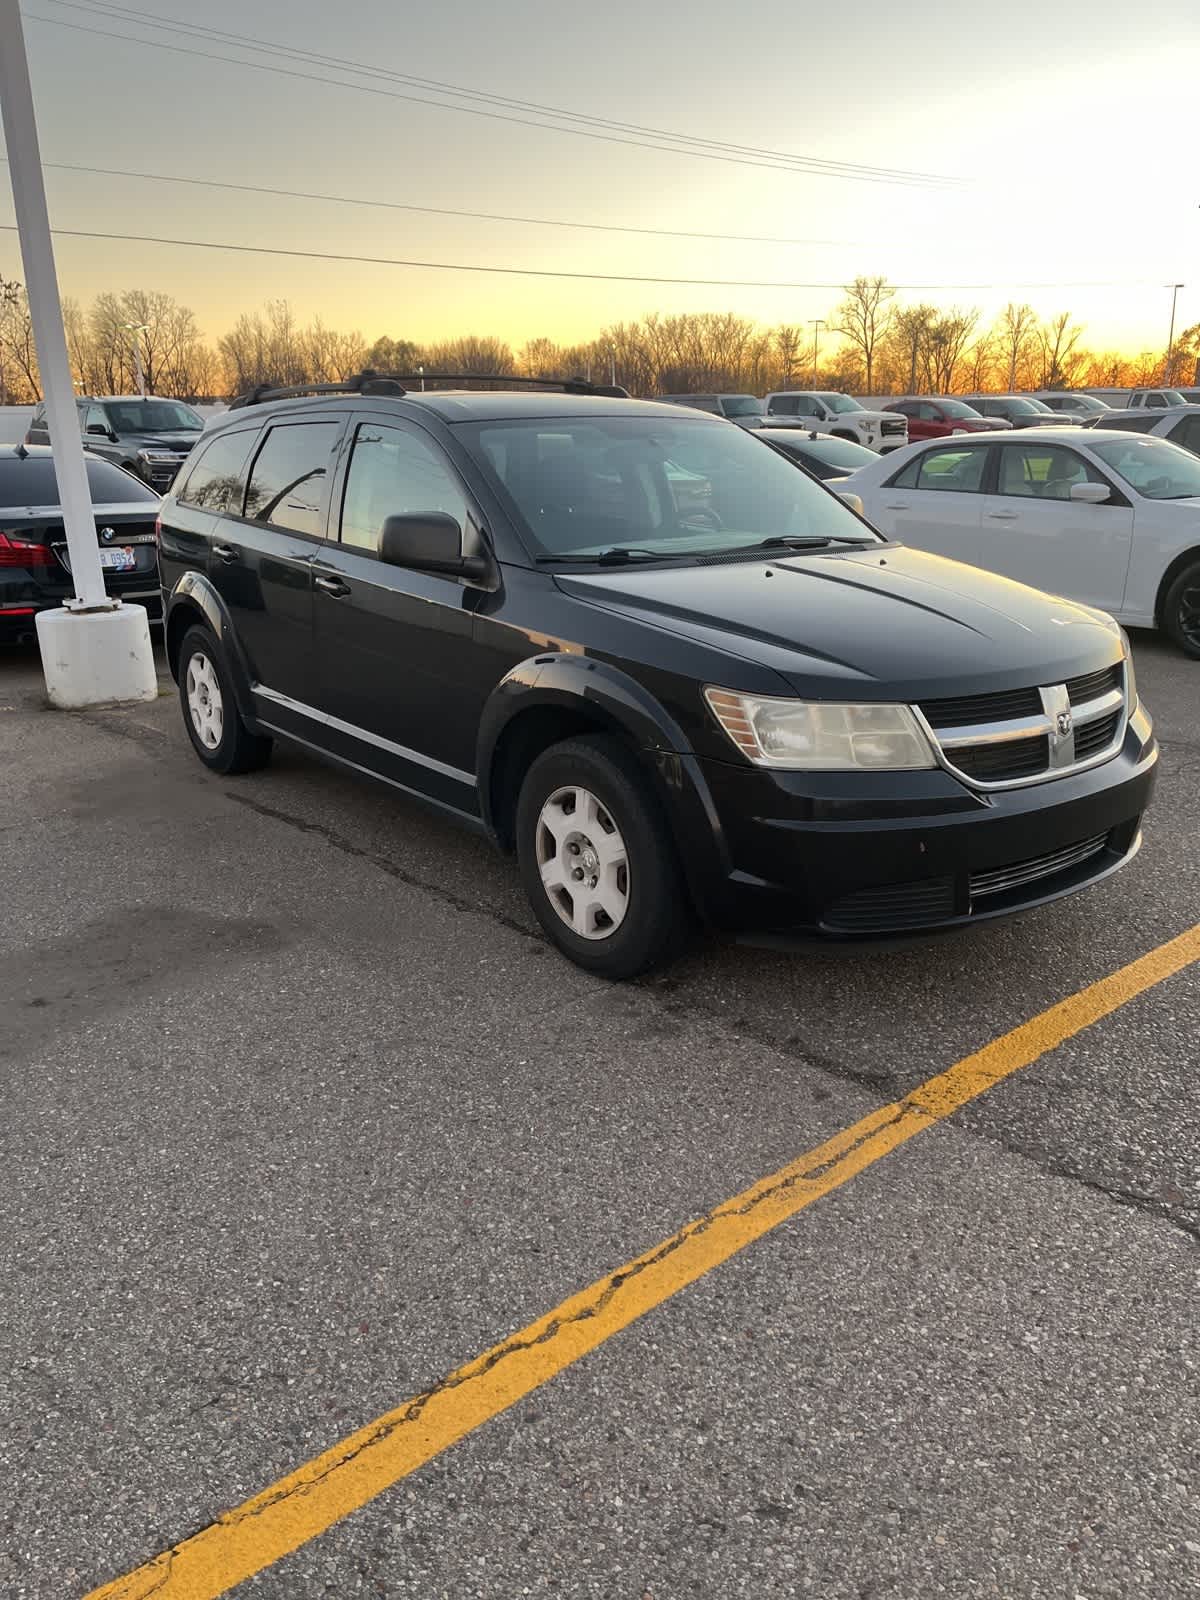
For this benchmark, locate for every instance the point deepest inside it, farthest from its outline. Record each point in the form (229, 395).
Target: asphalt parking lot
(301, 1115)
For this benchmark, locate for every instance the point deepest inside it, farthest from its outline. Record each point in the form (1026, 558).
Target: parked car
(1018, 410)
(1158, 398)
(35, 567)
(1191, 396)
(1107, 519)
(1071, 406)
(744, 409)
(940, 416)
(1179, 424)
(838, 414)
(743, 716)
(143, 434)
(823, 454)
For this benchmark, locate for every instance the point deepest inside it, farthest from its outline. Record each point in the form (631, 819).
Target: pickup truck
(838, 414)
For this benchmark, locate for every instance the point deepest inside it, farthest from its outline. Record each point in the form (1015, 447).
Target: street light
(816, 323)
(137, 328)
(1170, 369)
(94, 649)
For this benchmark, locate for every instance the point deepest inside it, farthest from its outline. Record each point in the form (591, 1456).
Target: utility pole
(1170, 367)
(612, 366)
(94, 649)
(137, 329)
(816, 323)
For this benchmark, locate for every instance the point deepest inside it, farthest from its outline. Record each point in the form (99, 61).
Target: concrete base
(91, 658)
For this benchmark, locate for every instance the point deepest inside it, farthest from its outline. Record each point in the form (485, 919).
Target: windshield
(32, 482)
(741, 405)
(839, 404)
(1018, 406)
(1157, 469)
(958, 408)
(1040, 405)
(843, 455)
(1173, 397)
(581, 488)
(151, 416)
(1083, 402)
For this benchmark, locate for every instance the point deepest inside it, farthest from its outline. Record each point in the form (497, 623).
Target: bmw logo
(108, 534)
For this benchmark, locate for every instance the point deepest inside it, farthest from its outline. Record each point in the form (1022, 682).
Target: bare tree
(980, 363)
(1016, 330)
(863, 318)
(393, 355)
(17, 353)
(1060, 361)
(945, 342)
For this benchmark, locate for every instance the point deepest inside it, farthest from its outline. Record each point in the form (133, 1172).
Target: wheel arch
(1185, 559)
(194, 600)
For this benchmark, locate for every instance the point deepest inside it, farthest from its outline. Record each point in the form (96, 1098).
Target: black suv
(149, 437)
(672, 671)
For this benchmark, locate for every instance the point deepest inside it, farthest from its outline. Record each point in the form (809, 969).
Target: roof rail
(393, 383)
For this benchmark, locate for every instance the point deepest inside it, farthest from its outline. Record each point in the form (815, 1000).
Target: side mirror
(98, 427)
(428, 541)
(1092, 494)
(852, 500)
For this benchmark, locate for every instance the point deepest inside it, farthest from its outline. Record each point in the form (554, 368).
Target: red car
(936, 417)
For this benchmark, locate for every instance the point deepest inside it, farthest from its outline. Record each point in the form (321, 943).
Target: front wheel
(1181, 610)
(219, 735)
(597, 860)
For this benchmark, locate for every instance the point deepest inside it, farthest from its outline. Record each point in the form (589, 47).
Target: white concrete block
(92, 658)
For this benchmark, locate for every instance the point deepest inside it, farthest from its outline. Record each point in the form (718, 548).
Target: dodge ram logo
(1062, 723)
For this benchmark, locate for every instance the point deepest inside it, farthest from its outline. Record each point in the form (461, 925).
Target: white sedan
(1112, 519)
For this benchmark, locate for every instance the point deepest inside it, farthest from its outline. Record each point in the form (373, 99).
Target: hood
(981, 424)
(884, 618)
(174, 439)
(867, 416)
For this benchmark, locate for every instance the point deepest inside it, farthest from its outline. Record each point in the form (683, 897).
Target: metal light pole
(1170, 367)
(93, 648)
(612, 366)
(817, 323)
(137, 329)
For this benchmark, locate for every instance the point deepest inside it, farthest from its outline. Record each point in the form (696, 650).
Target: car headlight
(819, 736)
(156, 455)
(1131, 690)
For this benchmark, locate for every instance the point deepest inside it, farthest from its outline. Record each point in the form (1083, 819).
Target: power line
(683, 144)
(440, 211)
(205, 31)
(539, 272)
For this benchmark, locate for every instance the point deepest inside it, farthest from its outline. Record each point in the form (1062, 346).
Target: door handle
(225, 552)
(334, 586)
(1003, 516)
(894, 505)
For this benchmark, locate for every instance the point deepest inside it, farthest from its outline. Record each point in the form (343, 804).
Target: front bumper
(865, 856)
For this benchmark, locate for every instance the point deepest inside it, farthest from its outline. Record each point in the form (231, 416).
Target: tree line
(876, 344)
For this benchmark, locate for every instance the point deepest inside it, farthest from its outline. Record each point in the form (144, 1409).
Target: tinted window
(1042, 472)
(151, 416)
(287, 481)
(1141, 424)
(785, 406)
(1155, 400)
(959, 408)
(32, 482)
(1187, 433)
(214, 480)
(741, 405)
(836, 457)
(392, 472)
(953, 469)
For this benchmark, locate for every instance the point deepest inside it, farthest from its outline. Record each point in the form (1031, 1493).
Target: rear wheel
(219, 735)
(1181, 610)
(596, 859)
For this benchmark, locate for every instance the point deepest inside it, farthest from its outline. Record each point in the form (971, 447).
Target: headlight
(1131, 692)
(817, 736)
(157, 455)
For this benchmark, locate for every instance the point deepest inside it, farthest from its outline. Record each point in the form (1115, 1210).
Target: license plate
(122, 559)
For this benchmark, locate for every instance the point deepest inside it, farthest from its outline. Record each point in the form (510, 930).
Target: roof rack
(393, 383)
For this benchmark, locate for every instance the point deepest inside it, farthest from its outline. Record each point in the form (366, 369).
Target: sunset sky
(1056, 117)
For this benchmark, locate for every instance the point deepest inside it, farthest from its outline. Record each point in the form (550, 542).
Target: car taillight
(18, 552)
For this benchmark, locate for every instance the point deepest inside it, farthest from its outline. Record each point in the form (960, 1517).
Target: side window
(93, 417)
(213, 482)
(1156, 399)
(287, 481)
(393, 471)
(1141, 424)
(1042, 472)
(1187, 433)
(956, 469)
(784, 406)
(928, 413)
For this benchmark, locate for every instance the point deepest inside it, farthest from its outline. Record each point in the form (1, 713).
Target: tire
(1181, 611)
(587, 800)
(219, 736)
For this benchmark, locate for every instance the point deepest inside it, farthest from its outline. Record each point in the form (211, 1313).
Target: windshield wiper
(617, 556)
(781, 541)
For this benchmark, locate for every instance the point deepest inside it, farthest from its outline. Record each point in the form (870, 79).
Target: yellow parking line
(318, 1494)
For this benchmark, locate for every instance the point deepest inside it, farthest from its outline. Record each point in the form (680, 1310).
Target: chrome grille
(1022, 736)
(1029, 871)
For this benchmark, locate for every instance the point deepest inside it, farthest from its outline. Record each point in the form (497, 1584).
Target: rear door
(934, 502)
(260, 561)
(394, 679)
(1033, 531)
